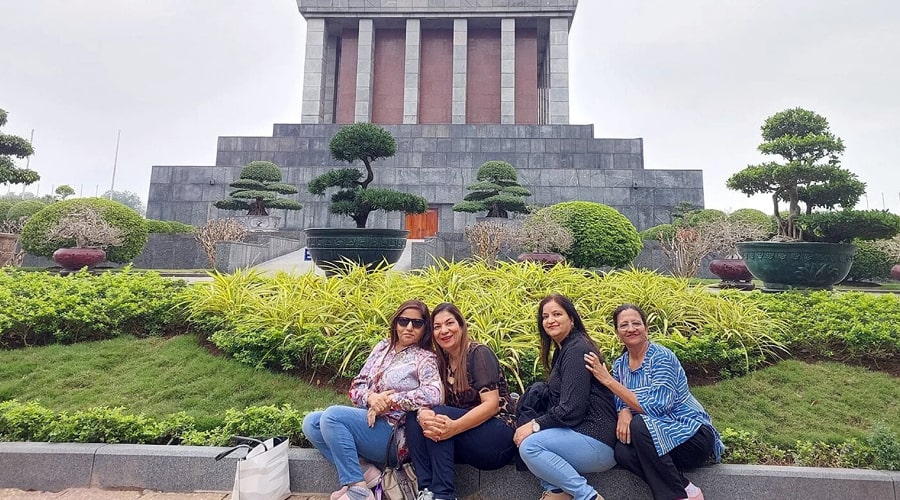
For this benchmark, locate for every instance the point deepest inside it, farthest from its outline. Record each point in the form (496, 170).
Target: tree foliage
(497, 191)
(256, 190)
(64, 191)
(13, 146)
(130, 199)
(603, 236)
(810, 174)
(354, 198)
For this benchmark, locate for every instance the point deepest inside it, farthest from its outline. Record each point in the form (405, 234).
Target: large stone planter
(733, 272)
(797, 265)
(895, 272)
(259, 223)
(369, 247)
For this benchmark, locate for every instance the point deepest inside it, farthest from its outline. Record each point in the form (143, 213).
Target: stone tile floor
(100, 494)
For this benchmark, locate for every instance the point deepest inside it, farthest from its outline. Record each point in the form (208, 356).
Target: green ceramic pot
(787, 265)
(328, 247)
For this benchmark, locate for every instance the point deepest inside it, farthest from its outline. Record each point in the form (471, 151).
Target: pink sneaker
(345, 496)
(371, 474)
(698, 495)
(337, 494)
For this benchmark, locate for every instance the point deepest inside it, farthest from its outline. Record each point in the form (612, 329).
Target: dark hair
(577, 326)
(625, 307)
(461, 377)
(427, 336)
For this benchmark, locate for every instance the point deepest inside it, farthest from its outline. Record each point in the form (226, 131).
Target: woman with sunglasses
(662, 429)
(577, 433)
(476, 425)
(400, 375)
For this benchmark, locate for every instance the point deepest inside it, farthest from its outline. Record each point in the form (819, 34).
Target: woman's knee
(310, 424)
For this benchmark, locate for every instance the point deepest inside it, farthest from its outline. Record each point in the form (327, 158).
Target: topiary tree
(64, 191)
(810, 174)
(870, 261)
(603, 236)
(256, 190)
(702, 216)
(25, 208)
(35, 241)
(13, 146)
(656, 232)
(354, 198)
(497, 191)
(755, 218)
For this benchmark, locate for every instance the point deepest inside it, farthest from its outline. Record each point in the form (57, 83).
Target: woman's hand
(623, 426)
(380, 402)
(440, 427)
(522, 432)
(370, 417)
(597, 368)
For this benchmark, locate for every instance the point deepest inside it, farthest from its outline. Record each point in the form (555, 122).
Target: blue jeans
(559, 456)
(342, 435)
(486, 447)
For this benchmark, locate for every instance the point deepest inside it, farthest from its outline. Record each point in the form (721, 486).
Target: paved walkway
(98, 494)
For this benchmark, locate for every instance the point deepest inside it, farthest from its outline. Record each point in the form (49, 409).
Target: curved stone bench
(55, 467)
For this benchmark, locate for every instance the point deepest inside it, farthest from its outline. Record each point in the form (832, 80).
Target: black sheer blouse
(485, 375)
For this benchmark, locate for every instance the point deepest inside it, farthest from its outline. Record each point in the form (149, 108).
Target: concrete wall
(54, 467)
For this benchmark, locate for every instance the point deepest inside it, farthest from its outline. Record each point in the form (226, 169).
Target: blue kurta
(671, 412)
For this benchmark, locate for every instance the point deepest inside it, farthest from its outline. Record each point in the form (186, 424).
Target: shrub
(603, 236)
(168, 227)
(543, 231)
(486, 239)
(25, 208)
(5, 205)
(666, 231)
(755, 218)
(703, 216)
(846, 225)
(41, 308)
(870, 262)
(34, 235)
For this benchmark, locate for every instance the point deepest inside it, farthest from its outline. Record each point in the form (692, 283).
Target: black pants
(486, 447)
(663, 473)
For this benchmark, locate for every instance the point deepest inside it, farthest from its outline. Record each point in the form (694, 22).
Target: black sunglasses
(404, 322)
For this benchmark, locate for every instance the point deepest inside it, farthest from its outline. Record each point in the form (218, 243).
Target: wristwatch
(535, 427)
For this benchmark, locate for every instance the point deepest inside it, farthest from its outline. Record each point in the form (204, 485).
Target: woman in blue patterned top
(662, 429)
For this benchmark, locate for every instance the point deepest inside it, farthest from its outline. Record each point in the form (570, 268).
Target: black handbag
(397, 482)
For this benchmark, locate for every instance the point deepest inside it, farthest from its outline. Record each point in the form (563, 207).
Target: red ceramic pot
(730, 269)
(895, 272)
(73, 259)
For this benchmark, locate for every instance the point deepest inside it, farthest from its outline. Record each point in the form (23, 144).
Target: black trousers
(663, 473)
(486, 447)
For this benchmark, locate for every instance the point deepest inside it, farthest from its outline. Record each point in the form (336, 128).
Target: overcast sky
(694, 78)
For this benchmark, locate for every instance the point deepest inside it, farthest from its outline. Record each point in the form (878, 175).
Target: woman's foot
(371, 474)
(337, 494)
(357, 492)
(556, 495)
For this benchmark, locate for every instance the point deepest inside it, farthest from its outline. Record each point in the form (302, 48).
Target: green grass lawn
(157, 377)
(792, 400)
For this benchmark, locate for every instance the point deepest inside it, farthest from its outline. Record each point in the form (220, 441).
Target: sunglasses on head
(404, 322)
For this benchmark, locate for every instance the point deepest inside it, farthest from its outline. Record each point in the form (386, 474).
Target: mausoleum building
(458, 83)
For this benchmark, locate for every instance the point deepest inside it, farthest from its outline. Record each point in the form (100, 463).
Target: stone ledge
(55, 467)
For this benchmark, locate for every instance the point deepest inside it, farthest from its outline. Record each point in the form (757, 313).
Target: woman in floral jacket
(400, 375)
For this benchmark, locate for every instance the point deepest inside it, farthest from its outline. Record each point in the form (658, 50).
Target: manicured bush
(870, 262)
(5, 205)
(41, 308)
(703, 216)
(846, 225)
(167, 227)
(25, 208)
(755, 217)
(34, 235)
(603, 236)
(653, 233)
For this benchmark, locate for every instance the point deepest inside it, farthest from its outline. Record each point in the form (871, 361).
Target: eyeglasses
(404, 322)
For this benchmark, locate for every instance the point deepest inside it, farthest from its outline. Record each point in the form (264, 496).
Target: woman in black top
(578, 432)
(476, 425)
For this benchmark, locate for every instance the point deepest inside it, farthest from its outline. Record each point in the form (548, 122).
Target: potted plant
(544, 238)
(256, 191)
(91, 234)
(355, 198)
(741, 225)
(815, 248)
(497, 192)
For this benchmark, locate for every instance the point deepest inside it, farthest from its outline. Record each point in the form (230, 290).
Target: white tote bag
(263, 474)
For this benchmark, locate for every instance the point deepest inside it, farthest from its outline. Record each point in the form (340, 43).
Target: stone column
(411, 82)
(508, 71)
(559, 71)
(312, 109)
(330, 82)
(364, 66)
(460, 67)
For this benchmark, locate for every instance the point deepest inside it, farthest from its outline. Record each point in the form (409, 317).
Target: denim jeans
(559, 456)
(486, 447)
(342, 435)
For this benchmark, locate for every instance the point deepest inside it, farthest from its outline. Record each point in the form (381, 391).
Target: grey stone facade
(556, 162)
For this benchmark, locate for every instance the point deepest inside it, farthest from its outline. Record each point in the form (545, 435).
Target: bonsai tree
(543, 231)
(256, 188)
(36, 235)
(810, 173)
(354, 198)
(497, 191)
(87, 228)
(12, 146)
